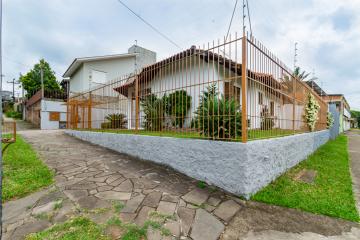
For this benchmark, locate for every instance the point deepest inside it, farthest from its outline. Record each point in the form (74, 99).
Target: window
(261, 98)
(54, 116)
(98, 77)
(231, 91)
(272, 108)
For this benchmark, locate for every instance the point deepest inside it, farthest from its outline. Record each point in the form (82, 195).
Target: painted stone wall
(242, 169)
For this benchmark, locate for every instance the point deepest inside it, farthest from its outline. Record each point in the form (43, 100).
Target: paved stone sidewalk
(354, 152)
(92, 178)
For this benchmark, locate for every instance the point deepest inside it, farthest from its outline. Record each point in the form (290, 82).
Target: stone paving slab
(206, 226)
(196, 196)
(227, 210)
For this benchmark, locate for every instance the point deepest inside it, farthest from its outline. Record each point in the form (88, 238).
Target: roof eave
(77, 62)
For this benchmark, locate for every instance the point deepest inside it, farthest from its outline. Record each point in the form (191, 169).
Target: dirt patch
(306, 176)
(257, 217)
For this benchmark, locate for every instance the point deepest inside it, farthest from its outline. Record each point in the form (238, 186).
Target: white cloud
(60, 30)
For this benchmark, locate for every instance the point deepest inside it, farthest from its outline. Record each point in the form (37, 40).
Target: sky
(327, 32)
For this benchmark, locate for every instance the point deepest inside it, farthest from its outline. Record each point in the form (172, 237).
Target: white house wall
(195, 80)
(77, 83)
(48, 106)
(114, 68)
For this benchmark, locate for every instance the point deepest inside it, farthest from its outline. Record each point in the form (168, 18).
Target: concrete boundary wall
(242, 169)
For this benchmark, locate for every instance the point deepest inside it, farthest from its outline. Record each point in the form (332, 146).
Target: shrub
(115, 121)
(13, 114)
(267, 122)
(329, 120)
(218, 117)
(177, 104)
(311, 112)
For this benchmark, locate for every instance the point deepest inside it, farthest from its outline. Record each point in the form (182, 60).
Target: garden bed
(253, 134)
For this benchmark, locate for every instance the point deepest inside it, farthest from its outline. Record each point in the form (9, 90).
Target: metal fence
(232, 89)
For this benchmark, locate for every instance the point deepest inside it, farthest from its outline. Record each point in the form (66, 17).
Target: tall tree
(31, 81)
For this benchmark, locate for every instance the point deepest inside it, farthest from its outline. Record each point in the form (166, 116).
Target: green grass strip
(24, 172)
(331, 194)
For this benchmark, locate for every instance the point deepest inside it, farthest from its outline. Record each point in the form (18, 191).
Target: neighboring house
(354, 123)
(316, 88)
(193, 70)
(48, 111)
(343, 107)
(90, 72)
(6, 96)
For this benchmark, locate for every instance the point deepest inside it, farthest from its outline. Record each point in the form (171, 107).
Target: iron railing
(225, 90)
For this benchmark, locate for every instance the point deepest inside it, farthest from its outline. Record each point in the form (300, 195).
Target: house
(88, 73)
(194, 70)
(343, 107)
(47, 110)
(354, 123)
(6, 96)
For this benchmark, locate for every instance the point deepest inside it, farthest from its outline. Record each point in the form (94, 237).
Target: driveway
(91, 177)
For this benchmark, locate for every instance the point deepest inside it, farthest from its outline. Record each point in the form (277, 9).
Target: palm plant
(154, 110)
(302, 75)
(115, 121)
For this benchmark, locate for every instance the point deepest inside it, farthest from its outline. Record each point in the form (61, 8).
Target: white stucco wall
(77, 83)
(48, 106)
(240, 168)
(195, 79)
(116, 68)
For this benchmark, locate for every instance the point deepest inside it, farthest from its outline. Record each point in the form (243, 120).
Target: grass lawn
(24, 172)
(83, 228)
(252, 134)
(74, 229)
(331, 194)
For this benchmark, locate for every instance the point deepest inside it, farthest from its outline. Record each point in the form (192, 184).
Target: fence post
(294, 103)
(89, 111)
(14, 126)
(136, 103)
(67, 114)
(244, 122)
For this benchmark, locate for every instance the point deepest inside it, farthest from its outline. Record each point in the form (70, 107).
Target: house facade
(343, 107)
(88, 73)
(46, 110)
(194, 71)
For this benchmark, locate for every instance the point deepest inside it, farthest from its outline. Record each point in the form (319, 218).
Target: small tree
(218, 117)
(311, 112)
(177, 105)
(31, 81)
(329, 120)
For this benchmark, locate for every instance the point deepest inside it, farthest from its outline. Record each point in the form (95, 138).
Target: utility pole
(295, 55)
(13, 82)
(1, 165)
(42, 81)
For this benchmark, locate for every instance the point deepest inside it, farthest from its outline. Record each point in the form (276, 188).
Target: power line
(232, 17)
(248, 10)
(149, 24)
(17, 62)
